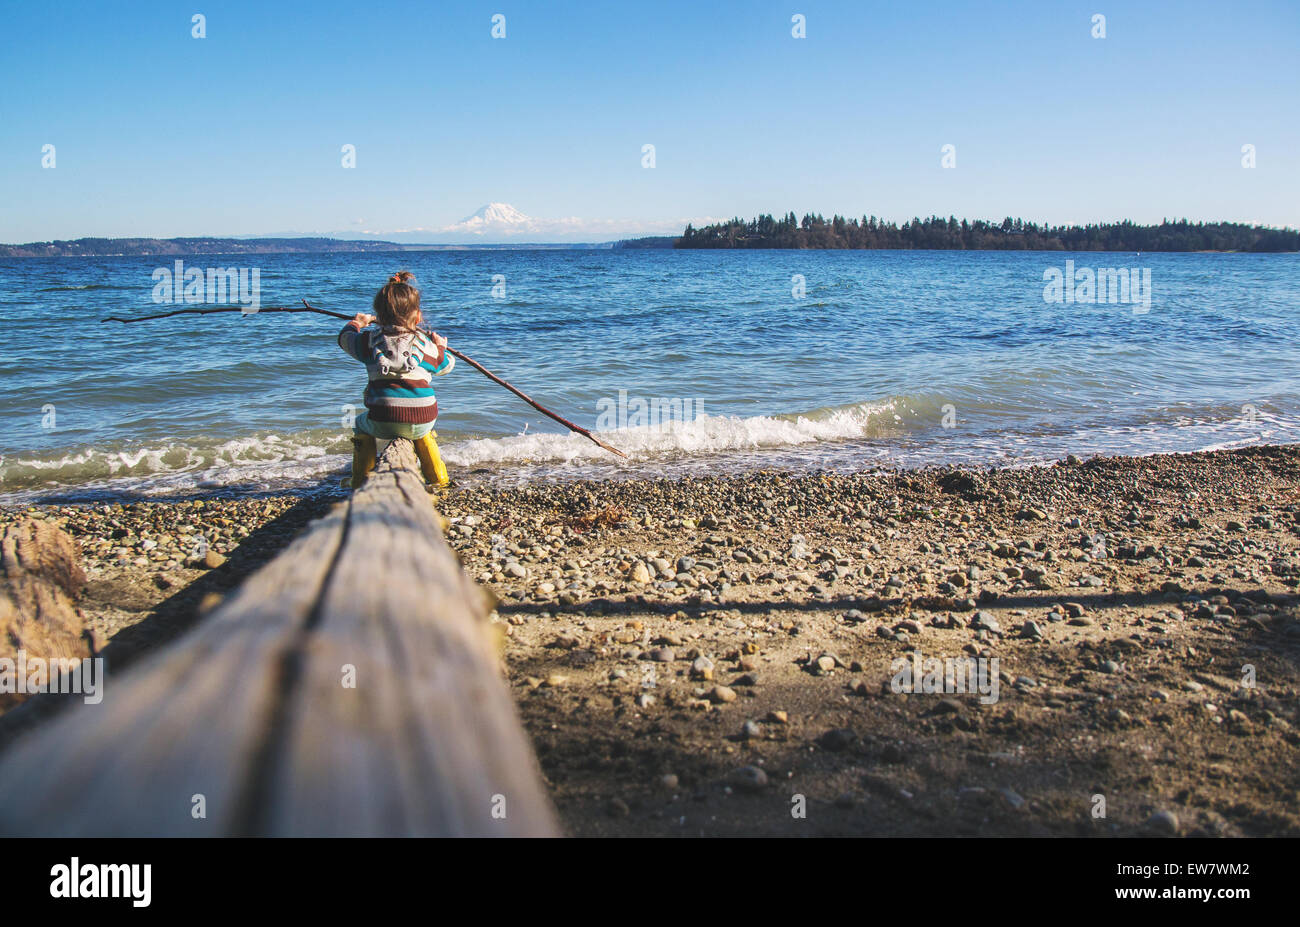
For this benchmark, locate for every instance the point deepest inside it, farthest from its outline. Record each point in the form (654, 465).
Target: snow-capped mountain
(498, 223)
(493, 216)
(502, 222)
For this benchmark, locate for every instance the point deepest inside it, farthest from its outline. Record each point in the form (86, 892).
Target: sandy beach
(722, 656)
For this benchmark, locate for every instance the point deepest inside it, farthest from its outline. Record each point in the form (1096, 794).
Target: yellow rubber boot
(363, 459)
(435, 471)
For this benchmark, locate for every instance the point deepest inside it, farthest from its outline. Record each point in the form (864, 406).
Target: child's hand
(363, 319)
(438, 340)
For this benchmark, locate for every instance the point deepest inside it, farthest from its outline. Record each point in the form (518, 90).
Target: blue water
(857, 373)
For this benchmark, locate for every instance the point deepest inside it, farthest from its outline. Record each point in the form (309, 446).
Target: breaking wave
(269, 461)
(898, 431)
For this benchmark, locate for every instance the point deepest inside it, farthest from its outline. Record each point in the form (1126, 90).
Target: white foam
(707, 434)
(844, 436)
(177, 465)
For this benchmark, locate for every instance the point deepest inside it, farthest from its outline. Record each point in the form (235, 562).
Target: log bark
(349, 688)
(40, 579)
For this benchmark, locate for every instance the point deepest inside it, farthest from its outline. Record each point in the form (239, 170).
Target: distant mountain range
(496, 225)
(168, 247)
(501, 226)
(494, 217)
(502, 223)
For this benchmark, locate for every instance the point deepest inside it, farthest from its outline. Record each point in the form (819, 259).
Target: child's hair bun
(398, 302)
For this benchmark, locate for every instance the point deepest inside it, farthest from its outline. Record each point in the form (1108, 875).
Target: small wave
(89, 286)
(269, 459)
(706, 434)
(899, 430)
(175, 465)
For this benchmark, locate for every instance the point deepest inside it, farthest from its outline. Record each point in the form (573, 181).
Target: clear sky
(157, 133)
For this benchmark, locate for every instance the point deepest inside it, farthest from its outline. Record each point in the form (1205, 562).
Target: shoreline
(687, 654)
(525, 472)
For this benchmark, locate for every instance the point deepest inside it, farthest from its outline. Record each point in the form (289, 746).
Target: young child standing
(401, 361)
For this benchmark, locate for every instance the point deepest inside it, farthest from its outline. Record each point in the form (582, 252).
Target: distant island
(949, 234)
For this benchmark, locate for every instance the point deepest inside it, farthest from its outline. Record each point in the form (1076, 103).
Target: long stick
(308, 307)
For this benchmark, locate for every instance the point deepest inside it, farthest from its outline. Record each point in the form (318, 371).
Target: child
(401, 360)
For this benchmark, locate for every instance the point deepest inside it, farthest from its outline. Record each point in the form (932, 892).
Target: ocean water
(691, 362)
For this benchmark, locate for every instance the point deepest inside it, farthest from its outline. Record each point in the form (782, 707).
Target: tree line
(814, 231)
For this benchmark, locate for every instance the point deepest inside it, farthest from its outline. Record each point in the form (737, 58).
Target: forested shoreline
(813, 231)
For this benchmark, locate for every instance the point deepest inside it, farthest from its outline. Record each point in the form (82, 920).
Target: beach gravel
(1143, 613)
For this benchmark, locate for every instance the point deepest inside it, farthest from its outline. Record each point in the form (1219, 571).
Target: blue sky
(161, 134)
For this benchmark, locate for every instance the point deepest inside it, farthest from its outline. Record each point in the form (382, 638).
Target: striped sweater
(401, 367)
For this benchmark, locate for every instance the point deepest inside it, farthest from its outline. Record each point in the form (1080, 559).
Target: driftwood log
(349, 688)
(40, 579)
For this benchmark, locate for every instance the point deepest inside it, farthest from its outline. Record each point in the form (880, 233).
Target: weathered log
(254, 717)
(40, 579)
